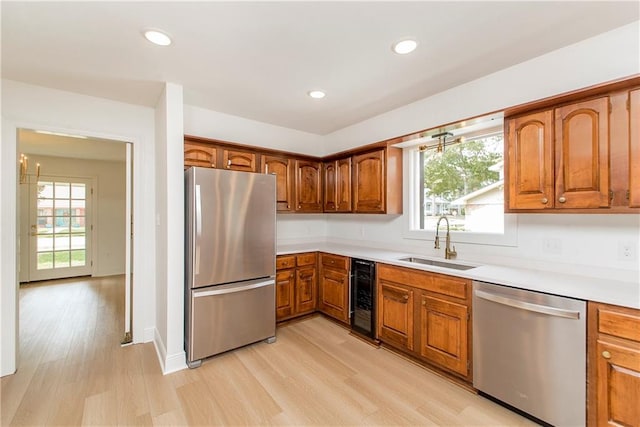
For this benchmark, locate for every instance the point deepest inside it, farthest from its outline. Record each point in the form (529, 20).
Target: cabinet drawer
(306, 259)
(334, 261)
(285, 261)
(451, 286)
(439, 283)
(619, 322)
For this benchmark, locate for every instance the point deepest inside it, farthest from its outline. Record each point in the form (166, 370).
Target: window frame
(411, 164)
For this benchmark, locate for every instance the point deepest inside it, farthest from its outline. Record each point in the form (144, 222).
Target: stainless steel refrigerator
(230, 225)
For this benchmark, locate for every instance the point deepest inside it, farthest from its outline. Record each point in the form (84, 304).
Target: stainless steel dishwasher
(529, 351)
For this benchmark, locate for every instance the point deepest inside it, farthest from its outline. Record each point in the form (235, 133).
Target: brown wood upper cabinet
(282, 168)
(198, 154)
(568, 146)
(239, 160)
(308, 186)
(613, 366)
(337, 185)
(582, 154)
(377, 181)
(634, 148)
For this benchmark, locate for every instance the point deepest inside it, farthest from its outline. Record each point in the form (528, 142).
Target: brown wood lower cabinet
(395, 314)
(296, 285)
(426, 315)
(333, 289)
(443, 333)
(613, 366)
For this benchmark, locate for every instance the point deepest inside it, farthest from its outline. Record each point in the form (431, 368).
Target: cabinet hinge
(628, 103)
(610, 107)
(611, 195)
(468, 316)
(628, 194)
(468, 366)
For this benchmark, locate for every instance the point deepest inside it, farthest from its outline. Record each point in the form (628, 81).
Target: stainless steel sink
(437, 263)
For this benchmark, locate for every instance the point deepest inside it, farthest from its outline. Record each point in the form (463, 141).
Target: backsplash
(593, 244)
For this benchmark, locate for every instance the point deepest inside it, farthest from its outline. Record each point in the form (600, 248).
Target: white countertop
(626, 294)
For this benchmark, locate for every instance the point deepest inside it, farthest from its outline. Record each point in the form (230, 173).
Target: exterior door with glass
(60, 228)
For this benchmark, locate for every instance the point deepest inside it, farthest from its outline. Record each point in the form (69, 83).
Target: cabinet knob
(288, 207)
(299, 206)
(424, 303)
(606, 355)
(544, 200)
(406, 297)
(562, 199)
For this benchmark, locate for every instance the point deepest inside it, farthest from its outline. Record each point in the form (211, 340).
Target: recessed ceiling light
(317, 94)
(157, 37)
(405, 46)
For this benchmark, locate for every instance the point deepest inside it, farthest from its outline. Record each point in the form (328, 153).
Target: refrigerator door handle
(230, 290)
(198, 230)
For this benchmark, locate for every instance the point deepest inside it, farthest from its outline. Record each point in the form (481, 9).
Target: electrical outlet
(627, 251)
(552, 246)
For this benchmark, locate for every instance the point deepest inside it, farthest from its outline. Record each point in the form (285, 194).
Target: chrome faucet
(448, 253)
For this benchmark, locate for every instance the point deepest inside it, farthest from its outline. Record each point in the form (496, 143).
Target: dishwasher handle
(544, 309)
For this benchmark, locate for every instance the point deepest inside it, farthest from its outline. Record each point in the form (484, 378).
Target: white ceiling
(258, 59)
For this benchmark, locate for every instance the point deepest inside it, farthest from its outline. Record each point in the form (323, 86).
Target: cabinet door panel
(443, 334)
(306, 289)
(395, 315)
(239, 160)
(618, 379)
(634, 148)
(282, 168)
(334, 293)
(343, 185)
(199, 155)
(285, 282)
(308, 186)
(369, 182)
(582, 154)
(329, 186)
(530, 151)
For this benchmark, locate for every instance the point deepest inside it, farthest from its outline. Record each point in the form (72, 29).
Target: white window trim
(410, 231)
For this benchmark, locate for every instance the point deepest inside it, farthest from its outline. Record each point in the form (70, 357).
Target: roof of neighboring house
(465, 199)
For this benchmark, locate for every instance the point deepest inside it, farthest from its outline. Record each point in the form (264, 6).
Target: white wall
(33, 107)
(169, 334)
(606, 57)
(211, 124)
(108, 210)
(588, 243)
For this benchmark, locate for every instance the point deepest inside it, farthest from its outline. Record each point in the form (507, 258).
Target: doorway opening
(75, 210)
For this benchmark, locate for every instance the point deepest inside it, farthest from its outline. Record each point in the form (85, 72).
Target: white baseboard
(168, 364)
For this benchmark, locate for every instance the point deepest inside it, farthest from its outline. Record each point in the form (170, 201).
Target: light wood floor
(73, 371)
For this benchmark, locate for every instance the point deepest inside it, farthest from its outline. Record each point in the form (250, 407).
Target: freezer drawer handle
(552, 311)
(238, 288)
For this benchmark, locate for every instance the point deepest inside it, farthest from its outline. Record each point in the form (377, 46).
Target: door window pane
(78, 241)
(62, 190)
(44, 243)
(45, 260)
(78, 258)
(78, 191)
(61, 242)
(61, 259)
(45, 190)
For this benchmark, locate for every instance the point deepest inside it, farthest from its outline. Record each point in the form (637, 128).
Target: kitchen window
(458, 172)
